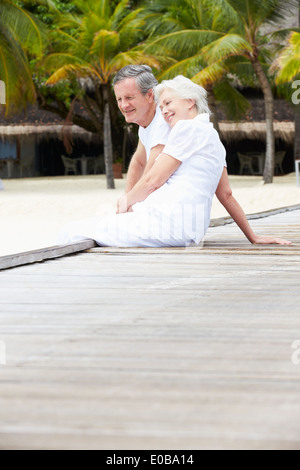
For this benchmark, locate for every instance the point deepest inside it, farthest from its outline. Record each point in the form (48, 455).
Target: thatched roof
(46, 131)
(230, 131)
(45, 125)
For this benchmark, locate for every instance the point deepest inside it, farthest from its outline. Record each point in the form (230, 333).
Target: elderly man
(134, 85)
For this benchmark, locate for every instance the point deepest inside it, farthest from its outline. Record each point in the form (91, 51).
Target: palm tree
(288, 71)
(92, 46)
(236, 41)
(20, 34)
(181, 28)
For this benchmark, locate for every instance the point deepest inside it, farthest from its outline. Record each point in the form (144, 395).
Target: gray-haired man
(134, 85)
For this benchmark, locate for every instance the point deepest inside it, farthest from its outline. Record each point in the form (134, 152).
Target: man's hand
(122, 204)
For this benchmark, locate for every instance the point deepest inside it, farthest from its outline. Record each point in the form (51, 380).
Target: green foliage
(21, 36)
(288, 62)
(215, 42)
(97, 41)
(210, 41)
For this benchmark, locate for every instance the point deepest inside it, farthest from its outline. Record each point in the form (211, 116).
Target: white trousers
(133, 229)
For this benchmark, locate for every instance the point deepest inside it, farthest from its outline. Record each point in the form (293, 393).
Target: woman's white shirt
(188, 194)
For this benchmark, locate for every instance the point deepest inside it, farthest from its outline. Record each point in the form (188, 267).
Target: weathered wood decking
(155, 349)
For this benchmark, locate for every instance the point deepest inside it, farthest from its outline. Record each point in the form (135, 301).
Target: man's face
(134, 106)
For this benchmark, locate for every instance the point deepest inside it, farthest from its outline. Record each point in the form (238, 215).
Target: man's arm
(225, 196)
(137, 167)
(155, 152)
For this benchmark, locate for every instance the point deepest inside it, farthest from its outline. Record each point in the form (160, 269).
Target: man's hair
(143, 75)
(185, 89)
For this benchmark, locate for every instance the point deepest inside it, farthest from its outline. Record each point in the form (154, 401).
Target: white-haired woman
(171, 204)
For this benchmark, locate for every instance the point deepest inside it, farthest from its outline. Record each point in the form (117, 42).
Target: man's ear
(151, 96)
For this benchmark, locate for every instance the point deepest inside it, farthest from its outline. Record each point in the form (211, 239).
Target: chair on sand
(70, 166)
(246, 163)
(26, 164)
(279, 157)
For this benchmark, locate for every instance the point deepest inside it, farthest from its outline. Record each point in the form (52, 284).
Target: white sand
(32, 211)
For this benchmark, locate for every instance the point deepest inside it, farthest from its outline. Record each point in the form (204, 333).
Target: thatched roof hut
(234, 132)
(229, 131)
(253, 126)
(46, 132)
(41, 137)
(42, 125)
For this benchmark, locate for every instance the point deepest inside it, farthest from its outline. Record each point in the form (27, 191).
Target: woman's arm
(157, 176)
(225, 196)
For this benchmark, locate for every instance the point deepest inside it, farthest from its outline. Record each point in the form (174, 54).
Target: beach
(33, 210)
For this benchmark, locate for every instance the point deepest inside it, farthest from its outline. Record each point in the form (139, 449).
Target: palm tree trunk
(269, 107)
(124, 149)
(297, 135)
(297, 120)
(108, 150)
(213, 107)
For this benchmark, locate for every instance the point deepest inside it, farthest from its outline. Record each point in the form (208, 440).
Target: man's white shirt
(157, 133)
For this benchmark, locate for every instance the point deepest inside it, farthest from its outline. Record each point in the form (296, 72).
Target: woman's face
(176, 109)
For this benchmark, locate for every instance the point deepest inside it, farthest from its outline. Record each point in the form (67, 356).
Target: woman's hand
(258, 240)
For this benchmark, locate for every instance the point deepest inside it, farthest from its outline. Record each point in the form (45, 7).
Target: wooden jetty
(131, 349)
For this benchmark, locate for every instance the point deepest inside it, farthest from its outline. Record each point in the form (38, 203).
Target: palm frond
(188, 67)
(133, 57)
(70, 71)
(210, 74)
(121, 11)
(288, 63)
(225, 16)
(15, 72)
(187, 41)
(227, 46)
(243, 70)
(60, 60)
(24, 26)
(234, 103)
(104, 45)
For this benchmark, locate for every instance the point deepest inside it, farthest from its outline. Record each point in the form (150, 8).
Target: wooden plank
(151, 352)
(20, 259)
(259, 215)
(210, 249)
(36, 256)
(155, 350)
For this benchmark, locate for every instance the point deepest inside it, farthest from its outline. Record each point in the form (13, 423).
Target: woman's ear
(192, 103)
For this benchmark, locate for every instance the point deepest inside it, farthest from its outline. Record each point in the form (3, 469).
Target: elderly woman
(171, 204)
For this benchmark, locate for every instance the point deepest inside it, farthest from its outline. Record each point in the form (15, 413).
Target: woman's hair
(187, 90)
(143, 75)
